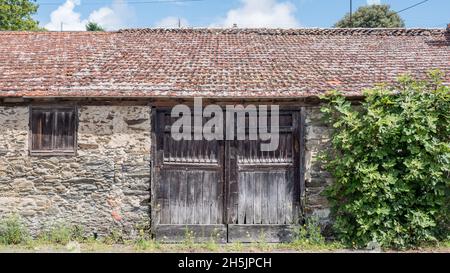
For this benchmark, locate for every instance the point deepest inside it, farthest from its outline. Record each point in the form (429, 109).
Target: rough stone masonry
(106, 186)
(317, 140)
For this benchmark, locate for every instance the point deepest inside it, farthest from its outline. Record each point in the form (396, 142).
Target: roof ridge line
(296, 31)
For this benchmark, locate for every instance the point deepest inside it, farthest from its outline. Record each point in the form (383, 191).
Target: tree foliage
(390, 157)
(91, 26)
(17, 15)
(373, 16)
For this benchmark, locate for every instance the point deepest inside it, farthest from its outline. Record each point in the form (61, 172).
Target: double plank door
(226, 190)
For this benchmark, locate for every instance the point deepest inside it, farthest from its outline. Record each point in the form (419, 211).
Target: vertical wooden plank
(164, 183)
(206, 201)
(281, 151)
(36, 123)
(169, 200)
(71, 129)
(244, 189)
(233, 185)
(273, 195)
(215, 181)
(58, 130)
(160, 138)
(242, 198)
(249, 198)
(282, 182)
(167, 148)
(190, 198)
(265, 199)
(221, 198)
(289, 196)
(48, 142)
(164, 198)
(64, 129)
(198, 176)
(257, 200)
(182, 198)
(227, 211)
(174, 178)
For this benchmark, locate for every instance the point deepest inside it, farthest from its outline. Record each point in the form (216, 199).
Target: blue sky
(115, 14)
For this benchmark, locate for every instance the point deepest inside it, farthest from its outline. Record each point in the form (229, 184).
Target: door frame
(225, 238)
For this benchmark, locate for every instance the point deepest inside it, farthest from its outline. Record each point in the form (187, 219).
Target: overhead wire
(122, 2)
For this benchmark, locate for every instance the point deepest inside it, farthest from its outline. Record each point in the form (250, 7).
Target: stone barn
(86, 119)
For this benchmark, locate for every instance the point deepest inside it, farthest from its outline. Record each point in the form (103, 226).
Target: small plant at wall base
(390, 157)
(13, 231)
(309, 233)
(62, 234)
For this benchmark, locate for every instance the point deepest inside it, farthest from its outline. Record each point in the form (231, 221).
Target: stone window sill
(53, 153)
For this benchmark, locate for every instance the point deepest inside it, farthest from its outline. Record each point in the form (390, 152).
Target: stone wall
(106, 186)
(103, 188)
(317, 139)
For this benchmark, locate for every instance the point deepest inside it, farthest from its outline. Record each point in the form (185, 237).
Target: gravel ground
(100, 248)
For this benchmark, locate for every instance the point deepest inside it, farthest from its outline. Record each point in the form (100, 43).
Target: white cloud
(110, 17)
(373, 2)
(114, 17)
(65, 14)
(261, 13)
(171, 22)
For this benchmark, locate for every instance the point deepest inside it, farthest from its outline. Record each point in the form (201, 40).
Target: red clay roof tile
(213, 62)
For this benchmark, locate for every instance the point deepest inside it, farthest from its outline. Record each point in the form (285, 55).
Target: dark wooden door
(188, 186)
(226, 190)
(263, 189)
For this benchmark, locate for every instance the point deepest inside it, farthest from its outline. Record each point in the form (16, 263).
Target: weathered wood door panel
(263, 187)
(227, 189)
(190, 196)
(265, 197)
(188, 185)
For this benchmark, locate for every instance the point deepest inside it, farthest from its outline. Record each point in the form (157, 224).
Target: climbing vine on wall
(390, 156)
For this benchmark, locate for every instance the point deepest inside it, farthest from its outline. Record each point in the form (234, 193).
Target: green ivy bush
(390, 156)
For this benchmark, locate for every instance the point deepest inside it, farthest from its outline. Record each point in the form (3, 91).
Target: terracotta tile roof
(215, 63)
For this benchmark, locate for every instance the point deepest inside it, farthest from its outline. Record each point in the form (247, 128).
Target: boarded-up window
(53, 130)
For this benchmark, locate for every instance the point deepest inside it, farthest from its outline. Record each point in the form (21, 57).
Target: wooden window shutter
(53, 130)
(64, 130)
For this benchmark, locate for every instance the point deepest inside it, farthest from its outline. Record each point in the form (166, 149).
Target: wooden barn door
(225, 190)
(188, 186)
(263, 189)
